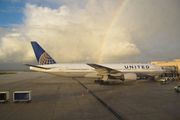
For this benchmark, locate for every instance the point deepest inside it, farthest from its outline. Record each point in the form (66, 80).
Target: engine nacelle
(129, 76)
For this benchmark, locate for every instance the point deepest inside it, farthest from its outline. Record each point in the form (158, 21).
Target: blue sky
(72, 31)
(11, 13)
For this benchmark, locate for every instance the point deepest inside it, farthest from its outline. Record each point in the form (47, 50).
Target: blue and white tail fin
(42, 56)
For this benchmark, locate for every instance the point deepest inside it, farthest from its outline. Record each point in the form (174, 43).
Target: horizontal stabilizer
(37, 66)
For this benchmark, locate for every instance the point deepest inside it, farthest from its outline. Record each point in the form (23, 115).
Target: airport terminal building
(172, 67)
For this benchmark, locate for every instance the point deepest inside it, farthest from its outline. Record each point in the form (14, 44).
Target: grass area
(3, 72)
(7, 72)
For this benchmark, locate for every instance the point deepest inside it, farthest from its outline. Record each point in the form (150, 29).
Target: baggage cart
(4, 96)
(21, 96)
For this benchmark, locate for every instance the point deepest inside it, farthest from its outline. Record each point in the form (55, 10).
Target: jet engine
(123, 76)
(128, 76)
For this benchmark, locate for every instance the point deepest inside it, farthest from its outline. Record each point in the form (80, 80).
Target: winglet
(42, 56)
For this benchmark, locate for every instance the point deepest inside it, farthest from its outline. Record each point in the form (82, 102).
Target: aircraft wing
(37, 66)
(103, 70)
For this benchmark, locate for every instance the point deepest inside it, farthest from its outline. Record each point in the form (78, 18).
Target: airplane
(101, 72)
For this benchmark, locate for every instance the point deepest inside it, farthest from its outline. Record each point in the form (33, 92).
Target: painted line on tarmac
(119, 117)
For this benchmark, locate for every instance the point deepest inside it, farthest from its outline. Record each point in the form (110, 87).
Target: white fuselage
(84, 70)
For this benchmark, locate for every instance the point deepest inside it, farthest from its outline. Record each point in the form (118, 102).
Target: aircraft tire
(106, 83)
(101, 82)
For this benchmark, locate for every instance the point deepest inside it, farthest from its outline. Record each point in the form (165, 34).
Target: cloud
(72, 33)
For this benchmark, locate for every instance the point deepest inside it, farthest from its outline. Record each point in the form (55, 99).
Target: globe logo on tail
(46, 59)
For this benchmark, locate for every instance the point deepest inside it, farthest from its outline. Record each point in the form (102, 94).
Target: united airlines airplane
(101, 72)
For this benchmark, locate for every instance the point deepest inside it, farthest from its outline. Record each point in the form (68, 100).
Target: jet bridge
(171, 71)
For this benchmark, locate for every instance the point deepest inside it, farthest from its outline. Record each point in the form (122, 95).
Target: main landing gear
(102, 82)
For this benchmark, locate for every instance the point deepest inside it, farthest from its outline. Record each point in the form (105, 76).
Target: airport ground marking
(119, 117)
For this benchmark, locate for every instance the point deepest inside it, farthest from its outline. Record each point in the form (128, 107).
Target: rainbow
(113, 21)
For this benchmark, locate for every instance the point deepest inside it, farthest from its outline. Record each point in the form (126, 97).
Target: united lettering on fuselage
(136, 66)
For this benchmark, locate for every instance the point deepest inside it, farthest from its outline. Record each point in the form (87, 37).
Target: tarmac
(61, 98)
